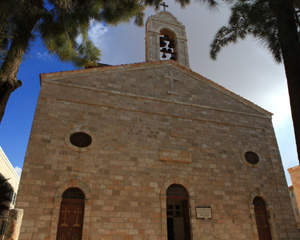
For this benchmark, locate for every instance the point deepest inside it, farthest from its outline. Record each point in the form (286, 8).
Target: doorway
(178, 220)
(71, 214)
(261, 217)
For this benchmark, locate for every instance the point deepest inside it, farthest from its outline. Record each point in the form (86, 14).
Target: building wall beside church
(146, 137)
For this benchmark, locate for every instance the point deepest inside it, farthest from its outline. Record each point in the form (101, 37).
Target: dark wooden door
(262, 223)
(70, 219)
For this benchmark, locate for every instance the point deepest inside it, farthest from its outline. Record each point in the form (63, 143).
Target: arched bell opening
(178, 219)
(167, 45)
(71, 215)
(262, 219)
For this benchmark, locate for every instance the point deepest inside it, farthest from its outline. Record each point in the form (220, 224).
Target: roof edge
(153, 63)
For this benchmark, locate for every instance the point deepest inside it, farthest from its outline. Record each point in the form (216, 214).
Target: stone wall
(145, 137)
(295, 205)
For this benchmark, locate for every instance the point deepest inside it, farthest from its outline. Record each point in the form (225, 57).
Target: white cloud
(96, 32)
(44, 56)
(18, 170)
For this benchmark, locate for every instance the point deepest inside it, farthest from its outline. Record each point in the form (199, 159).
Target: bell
(173, 57)
(169, 51)
(164, 55)
(172, 43)
(167, 38)
(162, 42)
(164, 50)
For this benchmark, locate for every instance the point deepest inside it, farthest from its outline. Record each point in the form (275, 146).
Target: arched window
(178, 219)
(261, 217)
(167, 43)
(71, 214)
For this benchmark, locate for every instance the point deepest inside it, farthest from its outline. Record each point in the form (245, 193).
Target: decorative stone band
(174, 155)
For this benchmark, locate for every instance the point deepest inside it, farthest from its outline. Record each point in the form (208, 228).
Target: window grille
(73, 193)
(176, 190)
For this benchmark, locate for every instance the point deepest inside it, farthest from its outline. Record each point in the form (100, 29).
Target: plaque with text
(203, 213)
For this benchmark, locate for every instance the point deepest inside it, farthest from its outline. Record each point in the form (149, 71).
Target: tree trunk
(9, 70)
(5, 90)
(11, 64)
(290, 47)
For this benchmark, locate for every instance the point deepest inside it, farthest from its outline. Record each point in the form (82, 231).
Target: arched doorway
(261, 217)
(178, 219)
(71, 215)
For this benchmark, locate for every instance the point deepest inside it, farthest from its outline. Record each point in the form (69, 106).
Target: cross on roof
(164, 5)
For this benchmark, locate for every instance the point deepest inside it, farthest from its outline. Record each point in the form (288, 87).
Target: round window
(251, 157)
(80, 139)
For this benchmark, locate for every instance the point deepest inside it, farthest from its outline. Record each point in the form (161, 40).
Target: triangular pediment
(165, 80)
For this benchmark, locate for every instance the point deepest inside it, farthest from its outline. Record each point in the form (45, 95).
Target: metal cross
(164, 5)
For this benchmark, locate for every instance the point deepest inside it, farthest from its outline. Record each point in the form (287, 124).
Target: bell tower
(166, 39)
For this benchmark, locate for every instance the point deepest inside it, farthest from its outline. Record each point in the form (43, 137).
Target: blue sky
(245, 68)
(16, 124)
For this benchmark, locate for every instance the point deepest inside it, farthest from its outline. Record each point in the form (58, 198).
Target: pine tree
(275, 23)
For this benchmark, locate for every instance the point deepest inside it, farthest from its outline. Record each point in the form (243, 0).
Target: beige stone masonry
(295, 177)
(174, 155)
(202, 133)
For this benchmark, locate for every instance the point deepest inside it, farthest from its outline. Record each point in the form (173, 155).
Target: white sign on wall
(203, 213)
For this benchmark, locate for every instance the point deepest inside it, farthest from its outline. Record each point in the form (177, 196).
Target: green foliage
(5, 194)
(6, 11)
(67, 21)
(60, 23)
(250, 17)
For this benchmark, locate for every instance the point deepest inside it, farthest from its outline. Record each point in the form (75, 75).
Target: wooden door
(70, 221)
(262, 223)
(261, 217)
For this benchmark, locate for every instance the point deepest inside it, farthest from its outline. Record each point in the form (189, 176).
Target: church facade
(151, 151)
